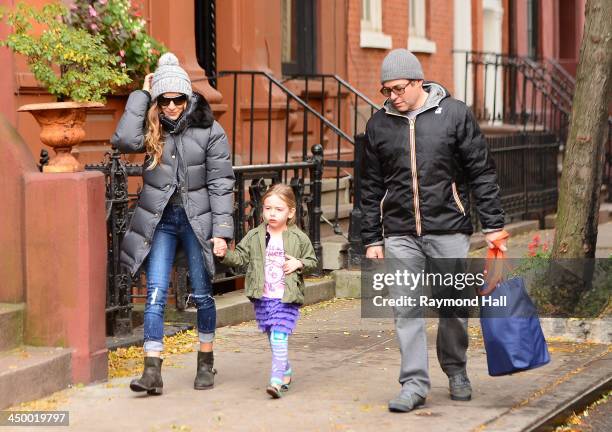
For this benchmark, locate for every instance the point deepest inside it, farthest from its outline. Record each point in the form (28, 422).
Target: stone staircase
(27, 372)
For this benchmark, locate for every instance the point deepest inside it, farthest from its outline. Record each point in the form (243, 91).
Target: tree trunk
(579, 195)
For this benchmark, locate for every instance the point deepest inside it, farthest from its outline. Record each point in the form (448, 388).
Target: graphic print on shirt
(274, 284)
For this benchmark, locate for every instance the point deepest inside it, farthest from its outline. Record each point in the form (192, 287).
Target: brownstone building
(285, 38)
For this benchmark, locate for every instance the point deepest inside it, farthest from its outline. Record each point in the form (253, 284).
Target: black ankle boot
(151, 380)
(205, 376)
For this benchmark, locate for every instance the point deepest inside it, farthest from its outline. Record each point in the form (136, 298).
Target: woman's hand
(146, 86)
(291, 264)
(219, 247)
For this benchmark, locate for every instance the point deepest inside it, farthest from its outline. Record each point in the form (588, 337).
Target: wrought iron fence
(350, 110)
(527, 166)
(251, 183)
(514, 90)
(259, 100)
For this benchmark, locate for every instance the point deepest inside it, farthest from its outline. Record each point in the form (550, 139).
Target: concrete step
(328, 191)
(11, 325)
(604, 216)
(344, 211)
(327, 230)
(329, 212)
(334, 251)
(28, 373)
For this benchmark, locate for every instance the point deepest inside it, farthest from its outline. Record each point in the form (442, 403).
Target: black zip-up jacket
(418, 173)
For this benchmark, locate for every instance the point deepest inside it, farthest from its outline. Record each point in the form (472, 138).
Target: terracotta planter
(61, 128)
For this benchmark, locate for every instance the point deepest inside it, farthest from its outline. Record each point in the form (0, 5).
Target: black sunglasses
(164, 101)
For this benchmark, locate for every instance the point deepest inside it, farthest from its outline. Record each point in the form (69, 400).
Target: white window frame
(371, 35)
(417, 28)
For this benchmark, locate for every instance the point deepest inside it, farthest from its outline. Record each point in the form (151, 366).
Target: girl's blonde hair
(285, 193)
(154, 138)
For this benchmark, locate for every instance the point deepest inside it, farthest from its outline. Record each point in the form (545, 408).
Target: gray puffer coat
(199, 148)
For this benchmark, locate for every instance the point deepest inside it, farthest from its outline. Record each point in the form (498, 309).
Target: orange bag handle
(493, 269)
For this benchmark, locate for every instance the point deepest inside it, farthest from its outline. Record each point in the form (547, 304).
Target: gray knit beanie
(400, 64)
(169, 77)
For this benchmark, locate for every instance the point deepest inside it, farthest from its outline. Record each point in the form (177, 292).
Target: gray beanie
(400, 64)
(169, 77)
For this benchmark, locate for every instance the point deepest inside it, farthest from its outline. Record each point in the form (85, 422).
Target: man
(425, 153)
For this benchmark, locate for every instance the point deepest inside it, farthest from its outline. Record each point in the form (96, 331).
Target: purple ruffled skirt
(272, 314)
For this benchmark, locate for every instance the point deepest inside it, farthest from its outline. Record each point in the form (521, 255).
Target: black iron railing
(251, 184)
(283, 104)
(349, 111)
(527, 166)
(557, 74)
(513, 90)
(259, 100)
(535, 95)
(118, 214)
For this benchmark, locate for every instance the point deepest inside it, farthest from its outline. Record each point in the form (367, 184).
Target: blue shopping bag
(512, 334)
(511, 330)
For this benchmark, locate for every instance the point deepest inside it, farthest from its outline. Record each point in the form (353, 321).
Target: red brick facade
(363, 64)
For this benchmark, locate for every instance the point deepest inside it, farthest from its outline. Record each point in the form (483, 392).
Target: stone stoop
(11, 325)
(27, 372)
(333, 250)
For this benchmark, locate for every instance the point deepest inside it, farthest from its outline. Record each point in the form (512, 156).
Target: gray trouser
(452, 340)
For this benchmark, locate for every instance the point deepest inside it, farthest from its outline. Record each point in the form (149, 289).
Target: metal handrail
(534, 75)
(538, 70)
(567, 77)
(339, 80)
(289, 93)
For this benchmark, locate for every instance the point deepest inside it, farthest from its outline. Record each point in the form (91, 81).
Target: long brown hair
(285, 193)
(154, 138)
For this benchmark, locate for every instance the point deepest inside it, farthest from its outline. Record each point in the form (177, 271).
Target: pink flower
(537, 238)
(102, 2)
(122, 53)
(92, 11)
(122, 64)
(73, 6)
(93, 26)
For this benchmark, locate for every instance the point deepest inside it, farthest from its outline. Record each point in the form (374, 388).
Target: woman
(186, 198)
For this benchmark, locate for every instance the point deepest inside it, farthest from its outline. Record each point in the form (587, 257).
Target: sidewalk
(346, 369)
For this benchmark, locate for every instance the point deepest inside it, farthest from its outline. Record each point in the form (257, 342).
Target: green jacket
(252, 251)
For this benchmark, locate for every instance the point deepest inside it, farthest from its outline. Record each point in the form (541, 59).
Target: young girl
(187, 198)
(278, 254)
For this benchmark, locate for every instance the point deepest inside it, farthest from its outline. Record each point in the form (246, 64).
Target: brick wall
(439, 66)
(363, 64)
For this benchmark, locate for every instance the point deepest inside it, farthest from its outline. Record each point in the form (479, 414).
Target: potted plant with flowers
(72, 64)
(123, 31)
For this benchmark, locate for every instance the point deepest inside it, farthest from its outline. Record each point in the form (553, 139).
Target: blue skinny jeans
(172, 228)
